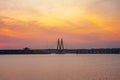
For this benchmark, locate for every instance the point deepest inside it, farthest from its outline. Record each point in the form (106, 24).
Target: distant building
(26, 49)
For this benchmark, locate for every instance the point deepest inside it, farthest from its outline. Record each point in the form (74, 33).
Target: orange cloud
(78, 22)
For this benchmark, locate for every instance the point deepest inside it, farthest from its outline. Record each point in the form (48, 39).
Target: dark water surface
(60, 67)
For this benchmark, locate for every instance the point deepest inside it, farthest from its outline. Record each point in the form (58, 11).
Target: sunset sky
(39, 23)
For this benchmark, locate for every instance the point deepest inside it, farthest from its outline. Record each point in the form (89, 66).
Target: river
(60, 67)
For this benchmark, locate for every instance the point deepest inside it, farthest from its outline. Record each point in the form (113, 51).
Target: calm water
(60, 67)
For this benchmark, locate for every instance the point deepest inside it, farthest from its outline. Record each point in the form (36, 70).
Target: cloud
(105, 7)
(15, 33)
(32, 24)
(1, 24)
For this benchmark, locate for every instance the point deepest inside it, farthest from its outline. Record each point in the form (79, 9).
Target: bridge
(60, 49)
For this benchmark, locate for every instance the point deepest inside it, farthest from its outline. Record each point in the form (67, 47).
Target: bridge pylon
(60, 46)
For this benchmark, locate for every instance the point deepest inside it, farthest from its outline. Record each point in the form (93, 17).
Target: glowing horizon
(39, 23)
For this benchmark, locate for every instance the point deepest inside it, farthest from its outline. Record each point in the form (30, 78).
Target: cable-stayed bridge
(60, 49)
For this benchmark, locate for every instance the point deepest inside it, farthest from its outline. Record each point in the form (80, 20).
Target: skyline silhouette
(60, 49)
